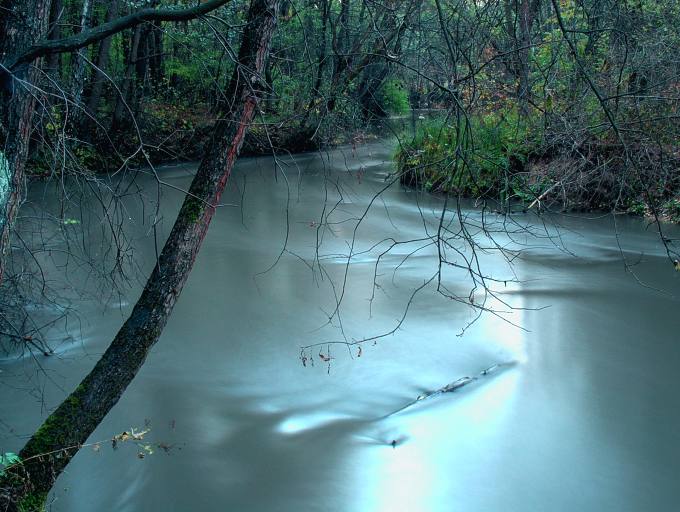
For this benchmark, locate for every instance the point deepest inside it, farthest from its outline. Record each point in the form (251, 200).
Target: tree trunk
(123, 100)
(157, 56)
(142, 66)
(17, 104)
(145, 60)
(25, 486)
(342, 78)
(102, 63)
(527, 13)
(341, 51)
(53, 61)
(316, 88)
(371, 81)
(79, 71)
(375, 74)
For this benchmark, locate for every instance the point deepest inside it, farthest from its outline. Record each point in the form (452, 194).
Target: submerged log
(453, 386)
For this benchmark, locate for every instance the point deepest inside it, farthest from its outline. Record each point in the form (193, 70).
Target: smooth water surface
(585, 418)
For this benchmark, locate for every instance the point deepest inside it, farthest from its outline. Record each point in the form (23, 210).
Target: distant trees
(563, 104)
(21, 45)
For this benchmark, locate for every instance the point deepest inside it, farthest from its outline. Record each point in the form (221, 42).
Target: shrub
(476, 157)
(394, 98)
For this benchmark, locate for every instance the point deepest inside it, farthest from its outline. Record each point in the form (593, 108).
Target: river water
(583, 414)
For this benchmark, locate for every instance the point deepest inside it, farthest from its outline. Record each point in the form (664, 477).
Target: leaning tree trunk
(54, 444)
(21, 23)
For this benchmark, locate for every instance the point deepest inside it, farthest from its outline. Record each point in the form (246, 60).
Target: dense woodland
(521, 104)
(572, 102)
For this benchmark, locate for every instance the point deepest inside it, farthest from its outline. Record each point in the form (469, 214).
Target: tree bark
(21, 23)
(341, 51)
(102, 63)
(53, 61)
(54, 444)
(527, 13)
(79, 71)
(123, 100)
(316, 88)
(373, 77)
(143, 65)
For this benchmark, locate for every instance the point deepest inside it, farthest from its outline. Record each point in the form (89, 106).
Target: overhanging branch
(105, 30)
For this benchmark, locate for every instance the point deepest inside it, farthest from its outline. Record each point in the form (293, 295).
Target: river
(583, 414)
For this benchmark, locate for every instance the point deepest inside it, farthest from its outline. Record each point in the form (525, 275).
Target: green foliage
(394, 97)
(637, 207)
(672, 209)
(475, 157)
(34, 502)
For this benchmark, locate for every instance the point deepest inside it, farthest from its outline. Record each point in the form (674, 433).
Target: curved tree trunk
(54, 444)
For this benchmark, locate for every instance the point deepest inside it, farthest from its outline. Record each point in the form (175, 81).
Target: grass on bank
(503, 157)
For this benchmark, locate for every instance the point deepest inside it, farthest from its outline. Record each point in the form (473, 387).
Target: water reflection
(416, 474)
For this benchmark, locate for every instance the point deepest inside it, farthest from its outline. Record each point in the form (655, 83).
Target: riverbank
(170, 133)
(503, 161)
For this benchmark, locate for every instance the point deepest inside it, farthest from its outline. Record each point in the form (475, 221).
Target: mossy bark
(54, 444)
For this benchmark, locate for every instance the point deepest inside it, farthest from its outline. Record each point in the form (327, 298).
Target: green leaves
(394, 97)
(472, 159)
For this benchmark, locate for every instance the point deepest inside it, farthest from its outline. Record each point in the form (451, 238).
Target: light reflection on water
(298, 424)
(417, 473)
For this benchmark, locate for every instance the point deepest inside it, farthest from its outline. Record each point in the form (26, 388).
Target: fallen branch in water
(453, 386)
